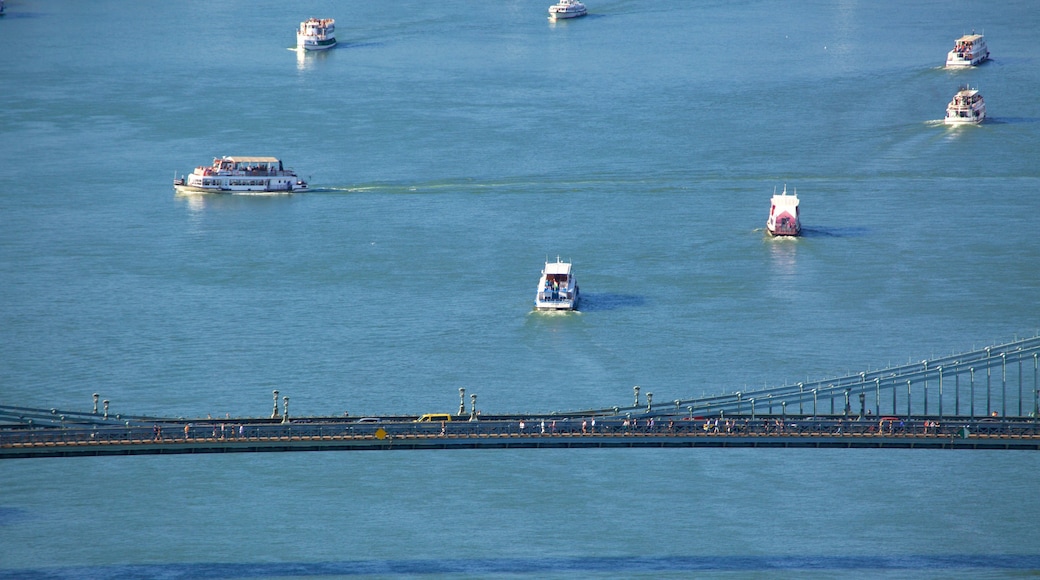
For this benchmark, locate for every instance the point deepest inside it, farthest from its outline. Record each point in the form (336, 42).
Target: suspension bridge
(987, 398)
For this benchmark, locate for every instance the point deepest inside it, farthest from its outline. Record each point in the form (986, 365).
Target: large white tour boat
(967, 107)
(968, 50)
(783, 214)
(316, 34)
(567, 9)
(557, 288)
(241, 175)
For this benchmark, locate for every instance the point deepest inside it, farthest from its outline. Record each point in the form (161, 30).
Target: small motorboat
(557, 288)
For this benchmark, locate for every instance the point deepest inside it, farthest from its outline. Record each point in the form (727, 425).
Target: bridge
(987, 398)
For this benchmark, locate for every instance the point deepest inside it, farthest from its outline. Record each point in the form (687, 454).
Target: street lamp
(971, 390)
(95, 403)
(462, 401)
(274, 413)
(636, 390)
(472, 407)
(285, 415)
(908, 411)
(940, 392)
(649, 401)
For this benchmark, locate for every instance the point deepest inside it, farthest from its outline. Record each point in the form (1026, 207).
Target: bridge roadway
(519, 433)
(988, 398)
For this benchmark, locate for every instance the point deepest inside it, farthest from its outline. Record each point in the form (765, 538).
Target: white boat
(968, 50)
(557, 288)
(241, 175)
(567, 9)
(967, 107)
(316, 34)
(783, 214)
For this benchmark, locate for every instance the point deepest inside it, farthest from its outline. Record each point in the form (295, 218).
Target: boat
(557, 288)
(316, 34)
(783, 214)
(967, 107)
(567, 9)
(241, 175)
(968, 50)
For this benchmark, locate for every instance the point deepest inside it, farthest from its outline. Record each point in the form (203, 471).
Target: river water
(453, 147)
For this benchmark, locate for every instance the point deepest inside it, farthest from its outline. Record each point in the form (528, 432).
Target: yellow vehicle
(433, 418)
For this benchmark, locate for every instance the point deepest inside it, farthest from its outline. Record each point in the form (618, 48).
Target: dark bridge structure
(983, 399)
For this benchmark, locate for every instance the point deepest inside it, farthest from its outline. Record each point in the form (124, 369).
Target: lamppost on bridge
(971, 390)
(877, 395)
(940, 369)
(801, 389)
(1019, 357)
(285, 414)
(814, 401)
(274, 413)
(848, 406)
(908, 411)
(105, 403)
(635, 389)
(649, 401)
(925, 375)
(830, 389)
(738, 402)
(926, 396)
(752, 401)
(988, 385)
(96, 397)
(472, 407)
(769, 401)
(862, 405)
(1036, 391)
(783, 412)
(956, 388)
(677, 403)
(1003, 384)
(462, 401)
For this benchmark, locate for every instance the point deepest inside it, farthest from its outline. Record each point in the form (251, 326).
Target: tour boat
(557, 288)
(968, 50)
(241, 174)
(567, 9)
(783, 214)
(967, 107)
(316, 34)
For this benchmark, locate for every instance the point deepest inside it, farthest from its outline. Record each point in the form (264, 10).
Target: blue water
(453, 147)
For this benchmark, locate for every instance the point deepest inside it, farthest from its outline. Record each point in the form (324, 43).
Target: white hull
(562, 306)
(314, 46)
(953, 61)
(566, 15)
(241, 190)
